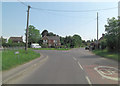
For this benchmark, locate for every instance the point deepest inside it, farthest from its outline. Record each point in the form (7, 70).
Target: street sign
(17, 52)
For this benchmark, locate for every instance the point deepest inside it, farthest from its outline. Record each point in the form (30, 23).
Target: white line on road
(103, 58)
(80, 65)
(89, 82)
(74, 58)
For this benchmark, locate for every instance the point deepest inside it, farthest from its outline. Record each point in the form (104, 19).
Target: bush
(44, 46)
(103, 44)
(13, 44)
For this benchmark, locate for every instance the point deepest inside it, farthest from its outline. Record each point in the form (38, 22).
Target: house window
(49, 44)
(54, 41)
(45, 41)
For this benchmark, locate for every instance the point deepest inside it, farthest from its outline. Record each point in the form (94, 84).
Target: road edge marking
(74, 58)
(80, 65)
(89, 82)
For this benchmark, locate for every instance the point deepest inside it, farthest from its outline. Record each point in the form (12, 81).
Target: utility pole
(97, 30)
(26, 46)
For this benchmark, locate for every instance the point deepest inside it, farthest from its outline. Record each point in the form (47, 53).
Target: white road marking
(105, 75)
(103, 58)
(74, 58)
(89, 82)
(80, 65)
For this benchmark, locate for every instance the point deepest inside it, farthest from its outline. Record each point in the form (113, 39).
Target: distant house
(51, 41)
(16, 39)
(94, 44)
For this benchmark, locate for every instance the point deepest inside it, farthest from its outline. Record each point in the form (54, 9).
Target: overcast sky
(14, 17)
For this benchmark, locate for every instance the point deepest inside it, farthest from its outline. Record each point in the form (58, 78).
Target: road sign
(17, 52)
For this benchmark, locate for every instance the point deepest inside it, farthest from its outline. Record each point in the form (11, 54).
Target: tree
(33, 35)
(118, 34)
(51, 34)
(45, 32)
(112, 29)
(71, 41)
(103, 44)
(10, 41)
(77, 40)
(62, 40)
(84, 43)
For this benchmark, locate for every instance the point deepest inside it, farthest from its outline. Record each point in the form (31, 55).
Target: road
(76, 66)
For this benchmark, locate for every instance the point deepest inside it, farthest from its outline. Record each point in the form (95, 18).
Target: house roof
(102, 37)
(53, 37)
(16, 38)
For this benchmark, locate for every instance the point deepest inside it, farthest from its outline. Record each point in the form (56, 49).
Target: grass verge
(106, 54)
(51, 48)
(10, 59)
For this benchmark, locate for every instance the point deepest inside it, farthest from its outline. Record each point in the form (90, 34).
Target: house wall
(51, 42)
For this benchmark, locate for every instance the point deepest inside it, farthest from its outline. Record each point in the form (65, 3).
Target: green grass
(51, 48)
(106, 54)
(10, 60)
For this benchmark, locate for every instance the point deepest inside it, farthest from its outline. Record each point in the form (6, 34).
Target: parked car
(35, 45)
(87, 48)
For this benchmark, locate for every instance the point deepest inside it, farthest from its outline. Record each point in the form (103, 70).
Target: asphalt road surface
(76, 66)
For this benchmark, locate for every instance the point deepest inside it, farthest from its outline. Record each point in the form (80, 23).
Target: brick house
(51, 41)
(16, 39)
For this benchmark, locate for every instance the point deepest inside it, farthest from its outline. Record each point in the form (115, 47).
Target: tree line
(67, 42)
(111, 39)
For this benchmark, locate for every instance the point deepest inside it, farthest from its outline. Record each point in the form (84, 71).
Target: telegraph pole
(97, 30)
(26, 46)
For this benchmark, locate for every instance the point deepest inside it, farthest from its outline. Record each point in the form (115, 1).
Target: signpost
(18, 56)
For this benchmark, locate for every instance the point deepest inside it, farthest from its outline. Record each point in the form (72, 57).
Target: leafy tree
(33, 35)
(71, 41)
(77, 40)
(118, 34)
(84, 43)
(10, 41)
(103, 43)
(51, 34)
(62, 40)
(3, 40)
(112, 34)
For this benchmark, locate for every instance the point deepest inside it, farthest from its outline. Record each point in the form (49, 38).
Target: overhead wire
(52, 10)
(22, 3)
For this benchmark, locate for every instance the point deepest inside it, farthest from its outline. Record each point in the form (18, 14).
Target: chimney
(103, 35)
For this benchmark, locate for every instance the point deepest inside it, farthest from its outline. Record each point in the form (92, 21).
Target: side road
(19, 70)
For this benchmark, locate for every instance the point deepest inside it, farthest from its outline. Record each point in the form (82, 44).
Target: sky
(14, 18)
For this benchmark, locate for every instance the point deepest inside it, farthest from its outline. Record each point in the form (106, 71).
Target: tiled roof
(16, 38)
